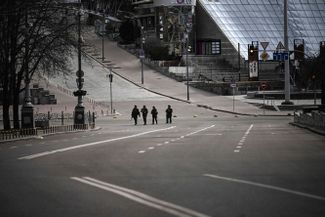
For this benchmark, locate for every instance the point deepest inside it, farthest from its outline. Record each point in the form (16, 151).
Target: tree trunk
(6, 107)
(15, 109)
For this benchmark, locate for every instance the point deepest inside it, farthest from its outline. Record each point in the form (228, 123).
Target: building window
(209, 47)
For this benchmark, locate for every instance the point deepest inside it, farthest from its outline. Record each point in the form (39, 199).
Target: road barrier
(313, 119)
(28, 133)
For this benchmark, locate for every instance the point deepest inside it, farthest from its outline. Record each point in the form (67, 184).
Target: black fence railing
(6, 135)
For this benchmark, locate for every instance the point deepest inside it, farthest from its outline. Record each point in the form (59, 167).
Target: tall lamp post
(142, 56)
(187, 73)
(79, 112)
(286, 61)
(27, 110)
(110, 76)
(103, 32)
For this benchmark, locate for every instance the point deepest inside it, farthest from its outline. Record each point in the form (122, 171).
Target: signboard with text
(174, 3)
(253, 69)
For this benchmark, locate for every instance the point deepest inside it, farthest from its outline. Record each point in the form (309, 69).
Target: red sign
(263, 86)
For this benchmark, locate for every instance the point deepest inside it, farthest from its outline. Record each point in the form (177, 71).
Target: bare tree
(33, 34)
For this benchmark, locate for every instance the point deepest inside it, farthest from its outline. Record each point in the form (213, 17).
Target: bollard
(62, 118)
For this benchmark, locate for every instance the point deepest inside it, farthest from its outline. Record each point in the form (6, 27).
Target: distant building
(225, 28)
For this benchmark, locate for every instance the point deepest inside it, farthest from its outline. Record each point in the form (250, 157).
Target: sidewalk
(129, 67)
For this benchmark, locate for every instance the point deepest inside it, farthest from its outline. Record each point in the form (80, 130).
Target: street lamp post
(110, 76)
(187, 73)
(103, 32)
(103, 50)
(79, 113)
(142, 53)
(27, 110)
(286, 61)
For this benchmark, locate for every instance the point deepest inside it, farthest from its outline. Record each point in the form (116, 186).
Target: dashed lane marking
(42, 154)
(243, 139)
(266, 186)
(177, 139)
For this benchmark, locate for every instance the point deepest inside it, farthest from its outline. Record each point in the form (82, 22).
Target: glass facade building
(244, 21)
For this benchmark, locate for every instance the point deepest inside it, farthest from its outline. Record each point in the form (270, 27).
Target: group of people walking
(154, 113)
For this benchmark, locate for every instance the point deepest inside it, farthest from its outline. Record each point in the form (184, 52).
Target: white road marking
(243, 139)
(195, 132)
(33, 156)
(182, 137)
(142, 151)
(213, 134)
(159, 144)
(266, 186)
(141, 198)
(173, 140)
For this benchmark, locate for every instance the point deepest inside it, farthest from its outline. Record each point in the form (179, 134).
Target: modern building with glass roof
(220, 33)
(244, 21)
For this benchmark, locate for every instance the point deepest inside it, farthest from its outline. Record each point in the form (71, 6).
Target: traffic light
(322, 49)
(253, 61)
(252, 53)
(299, 49)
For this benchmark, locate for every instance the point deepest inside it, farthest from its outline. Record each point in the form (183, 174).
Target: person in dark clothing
(144, 112)
(154, 114)
(135, 114)
(169, 113)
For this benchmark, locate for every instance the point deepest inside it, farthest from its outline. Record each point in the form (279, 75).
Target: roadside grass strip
(316, 197)
(141, 198)
(42, 154)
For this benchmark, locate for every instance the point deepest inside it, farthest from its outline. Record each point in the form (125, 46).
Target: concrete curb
(312, 129)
